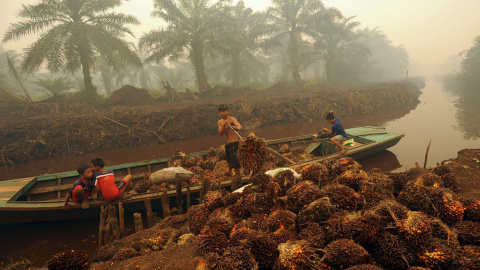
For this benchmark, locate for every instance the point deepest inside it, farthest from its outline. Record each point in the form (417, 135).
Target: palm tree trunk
(196, 56)
(236, 69)
(329, 68)
(294, 55)
(106, 77)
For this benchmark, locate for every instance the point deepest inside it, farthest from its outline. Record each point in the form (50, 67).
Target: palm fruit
(284, 180)
(258, 203)
(302, 194)
(333, 168)
(213, 200)
(415, 229)
(438, 256)
(418, 268)
(441, 231)
(471, 209)
(237, 258)
(348, 163)
(389, 211)
(430, 180)
(143, 186)
(399, 181)
(317, 211)
(197, 218)
(363, 228)
(352, 178)
(220, 153)
(448, 209)
(364, 267)
(212, 240)
(262, 247)
(220, 169)
(451, 182)
(210, 163)
(344, 253)
(232, 198)
(469, 257)
(189, 162)
(441, 170)
(298, 255)
(343, 197)
(261, 180)
(239, 210)
(414, 196)
(251, 189)
(313, 234)
(209, 261)
(378, 182)
(257, 222)
(221, 220)
(468, 232)
(336, 226)
(281, 235)
(177, 159)
(281, 219)
(252, 153)
(312, 172)
(69, 260)
(390, 252)
(239, 234)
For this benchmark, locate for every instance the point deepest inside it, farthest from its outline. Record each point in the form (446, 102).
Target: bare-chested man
(231, 148)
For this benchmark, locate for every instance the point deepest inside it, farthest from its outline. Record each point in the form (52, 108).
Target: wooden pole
(101, 227)
(137, 220)
(113, 221)
(121, 219)
(179, 196)
(188, 196)
(426, 155)
(148, 207)
(165, 204)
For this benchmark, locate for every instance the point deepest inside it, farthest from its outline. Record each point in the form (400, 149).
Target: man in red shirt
(82, 189)
(105, 181)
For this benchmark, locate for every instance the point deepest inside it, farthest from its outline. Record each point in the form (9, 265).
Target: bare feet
(85, 204)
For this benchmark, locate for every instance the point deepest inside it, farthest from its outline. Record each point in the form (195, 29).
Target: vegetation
(73, 34)
(222, 40)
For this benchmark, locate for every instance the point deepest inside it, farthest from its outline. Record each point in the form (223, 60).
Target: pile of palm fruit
(337, 216)
(69, 260)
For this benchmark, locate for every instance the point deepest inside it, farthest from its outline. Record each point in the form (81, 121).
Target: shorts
(340, 138)
(75, 198)
(115, 193)
(231, 151)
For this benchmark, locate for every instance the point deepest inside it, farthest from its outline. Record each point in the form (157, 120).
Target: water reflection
(386, 161)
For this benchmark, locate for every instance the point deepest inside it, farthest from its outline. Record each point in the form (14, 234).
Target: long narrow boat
(41, 198)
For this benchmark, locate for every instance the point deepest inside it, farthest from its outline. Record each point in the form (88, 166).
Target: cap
(223, 107)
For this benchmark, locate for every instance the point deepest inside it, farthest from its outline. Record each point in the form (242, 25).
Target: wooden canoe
(41, 198)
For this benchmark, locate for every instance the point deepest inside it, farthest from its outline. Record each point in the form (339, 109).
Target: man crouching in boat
(228, 125)
(105, 181)
(337, 134)
(82, 189)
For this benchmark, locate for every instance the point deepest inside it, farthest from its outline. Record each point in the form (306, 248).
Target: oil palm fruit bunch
(441, 231)
(378, 182)
(312, 172)
(399, 181)
(263, 248)
(430, 180)
(471, 209)
(197, 218)
(441, 170)
(237, 258)
(257, 222)
(364, 228)
(390, 251)
(212, 240)
(281, 219)
(348, 163)
(364, 267)
(451, 182)
(285, 180)
(208, 261)
(302, 194)
(468, 232)
(352, 178)
(389, 211)
(282, 235)
(124, 254)
(239, 210)
(69, 260)
(414, 196)
(343, 197)
(261, 180)
(252, 153)
(448, 209)
(414, 173)
(438, 256)
(221, 221)
(344, 253)
(258, 203)
(317, 211)
(213, 200)
(313, 233)
(469, 257)
(143, 186)
(298, 255)
(415, 229)
(231, 198)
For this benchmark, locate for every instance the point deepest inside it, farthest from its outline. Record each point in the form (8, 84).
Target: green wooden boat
(41, 198)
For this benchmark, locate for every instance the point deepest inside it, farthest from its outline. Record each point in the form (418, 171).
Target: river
(433, 119)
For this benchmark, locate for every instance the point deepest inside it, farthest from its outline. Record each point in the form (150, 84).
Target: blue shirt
(86, 187)
(337, 128)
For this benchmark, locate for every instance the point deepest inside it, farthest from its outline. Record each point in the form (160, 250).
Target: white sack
(171, 175)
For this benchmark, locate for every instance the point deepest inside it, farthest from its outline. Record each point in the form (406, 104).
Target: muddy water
(433, 119)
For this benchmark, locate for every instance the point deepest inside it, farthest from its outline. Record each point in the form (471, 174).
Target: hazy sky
(430, 30)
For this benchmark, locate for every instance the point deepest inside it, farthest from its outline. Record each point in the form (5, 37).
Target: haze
(430, 30)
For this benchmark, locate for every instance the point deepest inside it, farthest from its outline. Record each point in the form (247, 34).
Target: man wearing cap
(228, 125)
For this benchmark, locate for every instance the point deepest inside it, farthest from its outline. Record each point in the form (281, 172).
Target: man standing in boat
(82, 189)
(105, 181)
(229, 125)
(337, 134)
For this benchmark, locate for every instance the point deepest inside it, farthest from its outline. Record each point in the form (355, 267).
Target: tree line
(217, 41)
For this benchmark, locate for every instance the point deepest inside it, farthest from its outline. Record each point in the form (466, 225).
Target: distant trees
(73, 34)
(193, 26)
(55, 87)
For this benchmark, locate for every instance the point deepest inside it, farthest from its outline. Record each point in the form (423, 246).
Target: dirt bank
(66, 129)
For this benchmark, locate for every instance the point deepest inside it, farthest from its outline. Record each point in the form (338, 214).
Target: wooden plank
(280, 156)
(311, 147)
(48, 189)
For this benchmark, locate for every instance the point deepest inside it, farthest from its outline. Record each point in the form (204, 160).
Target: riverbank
(72, 129)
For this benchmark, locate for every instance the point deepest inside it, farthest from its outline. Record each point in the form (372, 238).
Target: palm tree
(295, 19)
(336, 40)
(194, 26)
(73, 34)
